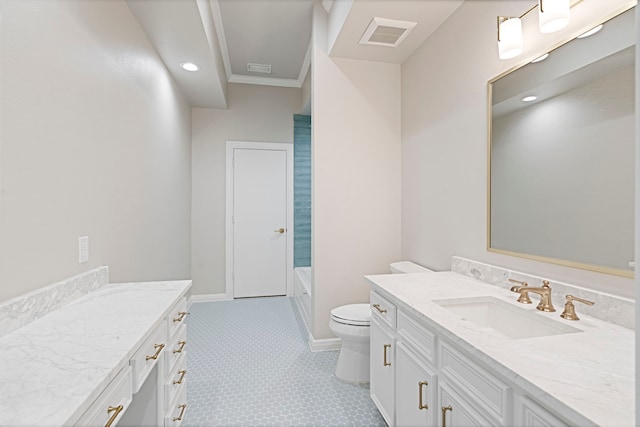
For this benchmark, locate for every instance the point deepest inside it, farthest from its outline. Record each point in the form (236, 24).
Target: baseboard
(210, 298)
(327, 344)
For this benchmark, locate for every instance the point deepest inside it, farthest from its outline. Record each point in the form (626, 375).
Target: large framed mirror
(561, 154)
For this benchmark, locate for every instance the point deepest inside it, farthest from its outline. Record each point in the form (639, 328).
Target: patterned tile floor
(249, 365)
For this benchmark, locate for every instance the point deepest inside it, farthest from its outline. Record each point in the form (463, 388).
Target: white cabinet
(530, 414)
(419, 378)
(382, 369)
(456, 411)
(416, 388)
(156, 379)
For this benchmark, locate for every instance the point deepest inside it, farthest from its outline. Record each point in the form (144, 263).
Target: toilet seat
(352, 314)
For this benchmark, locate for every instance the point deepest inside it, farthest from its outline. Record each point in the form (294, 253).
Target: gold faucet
(569, 312)
(524, 294)
(544, 292)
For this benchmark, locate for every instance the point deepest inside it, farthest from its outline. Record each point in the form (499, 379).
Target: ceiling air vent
(259, 68)
(386, 32)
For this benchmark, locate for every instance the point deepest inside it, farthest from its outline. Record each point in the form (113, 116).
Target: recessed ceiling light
(189, 66)
(590, 32)
(540, 58)
(529, 98)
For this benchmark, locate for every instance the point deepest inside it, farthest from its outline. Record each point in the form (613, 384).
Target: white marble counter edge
(519, 379)
(74, 414)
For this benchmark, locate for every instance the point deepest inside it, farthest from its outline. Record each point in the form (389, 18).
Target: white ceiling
(222, 36)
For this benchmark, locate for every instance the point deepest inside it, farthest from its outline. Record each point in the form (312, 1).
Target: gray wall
(255, 113)
(95, 140)
(444, 138)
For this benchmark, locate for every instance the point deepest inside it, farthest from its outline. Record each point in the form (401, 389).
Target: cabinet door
(415, 391)
(382, 370)
(530, 414)
(455, 411)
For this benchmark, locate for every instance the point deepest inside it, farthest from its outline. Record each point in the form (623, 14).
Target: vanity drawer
(488, 394)
(176, 317)
(176, 381)
(175, 348)
(175, 413)
(111, 404)
(416, 336)
(383, 310)
(147, 356)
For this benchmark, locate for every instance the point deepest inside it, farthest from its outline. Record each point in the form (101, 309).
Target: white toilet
(351, 323)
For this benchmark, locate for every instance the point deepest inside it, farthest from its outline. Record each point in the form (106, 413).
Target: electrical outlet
(83, 249)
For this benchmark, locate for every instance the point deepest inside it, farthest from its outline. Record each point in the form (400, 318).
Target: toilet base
(353, 362)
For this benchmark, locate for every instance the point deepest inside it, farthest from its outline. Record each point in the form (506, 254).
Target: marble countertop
(587, 376)
(53, 368)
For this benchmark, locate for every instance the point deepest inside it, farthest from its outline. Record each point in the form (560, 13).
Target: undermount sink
(504, 318)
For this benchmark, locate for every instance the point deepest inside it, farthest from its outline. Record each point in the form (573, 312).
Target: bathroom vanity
(437, 360)
(113, 356)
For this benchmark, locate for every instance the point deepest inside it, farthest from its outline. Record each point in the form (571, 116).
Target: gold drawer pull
(181, 315)
(182, 374)
(384, 362)
(380, 310)
(182, 344)
(158, 348)
(444, 414)
(116, 411)
(182, 407)
(420, 399)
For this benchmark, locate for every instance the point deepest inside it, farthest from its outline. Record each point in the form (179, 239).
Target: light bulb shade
(554, 15)
(510, 38)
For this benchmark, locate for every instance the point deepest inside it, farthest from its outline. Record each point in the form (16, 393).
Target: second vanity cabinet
(420, 379)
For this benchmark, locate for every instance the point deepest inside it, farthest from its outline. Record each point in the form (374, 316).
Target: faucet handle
(569, 312)
(545, 284)
(524, 295)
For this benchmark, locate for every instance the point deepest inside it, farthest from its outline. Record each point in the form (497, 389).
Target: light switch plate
(83, 249)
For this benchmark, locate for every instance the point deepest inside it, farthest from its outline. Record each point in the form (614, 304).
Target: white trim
(266, 81)
(209, 298)
(222, 40)
(232, 145)
(327, 344)
(327, 5)
(306, 64)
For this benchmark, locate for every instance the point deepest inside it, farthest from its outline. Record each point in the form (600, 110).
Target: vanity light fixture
(509, 37)
(590, 32)
(540, 58)
(189, 66)
(553, 15)
(529, 98)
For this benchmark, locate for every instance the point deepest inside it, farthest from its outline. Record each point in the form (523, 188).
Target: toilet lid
(352, 314)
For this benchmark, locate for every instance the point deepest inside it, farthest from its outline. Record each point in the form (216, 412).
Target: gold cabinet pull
(380, 310)
(116, 411)
(444, 414)
(158, 348)
(182, 407)
(182, 374)
(181, 315)
(280, 230)
(421, 406)
(384, 362)
(182, 344)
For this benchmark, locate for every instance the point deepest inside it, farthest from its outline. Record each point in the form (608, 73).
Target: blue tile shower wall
(302, 190)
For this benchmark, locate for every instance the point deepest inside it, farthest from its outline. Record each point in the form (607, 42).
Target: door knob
(279, 230)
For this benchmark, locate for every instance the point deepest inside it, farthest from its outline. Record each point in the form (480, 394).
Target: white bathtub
(302, 292)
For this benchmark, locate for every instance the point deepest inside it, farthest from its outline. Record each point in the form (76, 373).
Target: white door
(259, 222)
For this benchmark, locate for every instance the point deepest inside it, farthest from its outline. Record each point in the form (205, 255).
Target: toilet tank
(405, 267)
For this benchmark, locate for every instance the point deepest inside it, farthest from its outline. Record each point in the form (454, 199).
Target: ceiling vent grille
(386, 32)
(259, 68)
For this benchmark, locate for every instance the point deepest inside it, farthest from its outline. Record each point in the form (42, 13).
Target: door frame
(229, 238)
